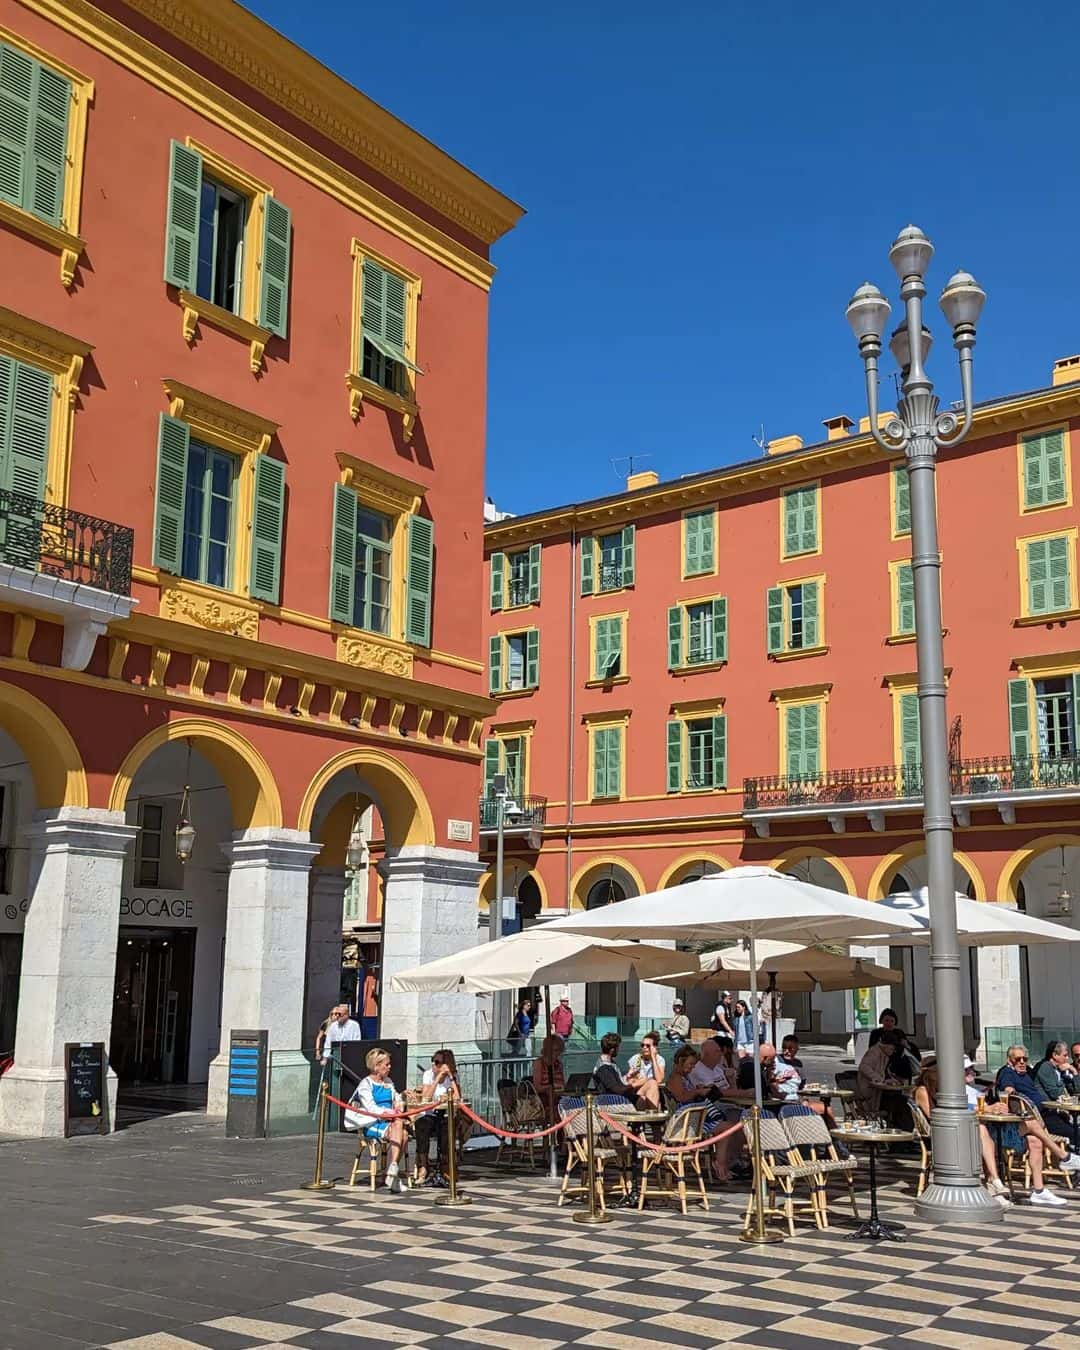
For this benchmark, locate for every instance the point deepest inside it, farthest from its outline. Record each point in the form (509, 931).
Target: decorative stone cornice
(231, 427)
(369, 652)
(186, 605)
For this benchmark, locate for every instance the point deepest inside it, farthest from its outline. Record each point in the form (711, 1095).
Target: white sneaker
(1002, 1200)
(1045, 1197)
(1071, 1163)
(997, 1187)
(394, 1186)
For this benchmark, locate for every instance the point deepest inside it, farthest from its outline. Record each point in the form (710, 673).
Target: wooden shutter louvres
(901, 500)
(267, 523)
(419, 581)
(174, 439)
(274, 282)
(498, 581)
(495, 651)
(343, 555)
(774, 620)
(1044, 469)
(35, 105)
(182, 217)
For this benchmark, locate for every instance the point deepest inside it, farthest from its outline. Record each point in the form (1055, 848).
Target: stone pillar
(323, 948)
(429, 910)
(999, 996)
(655, 1000)
(69, 960)
(266, 930)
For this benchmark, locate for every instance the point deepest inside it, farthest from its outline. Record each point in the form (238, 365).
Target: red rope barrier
(516, 1134)
(667, 1148)
(389, 1115)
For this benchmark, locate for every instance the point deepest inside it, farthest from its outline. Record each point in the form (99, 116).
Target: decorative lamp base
(766, 1235)
(317, 1186)
(447, 1199)
(957, 1204)
(598, 1217)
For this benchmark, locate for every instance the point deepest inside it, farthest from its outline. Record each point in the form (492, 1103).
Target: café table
(633, 1120)
(824, 1094)
(873, 1229)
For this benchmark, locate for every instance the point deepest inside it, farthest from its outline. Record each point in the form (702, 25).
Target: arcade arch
(690, 868)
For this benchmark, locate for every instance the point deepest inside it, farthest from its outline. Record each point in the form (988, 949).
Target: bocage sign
(155, 907)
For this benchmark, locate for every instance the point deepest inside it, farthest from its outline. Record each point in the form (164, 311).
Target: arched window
(606, 891)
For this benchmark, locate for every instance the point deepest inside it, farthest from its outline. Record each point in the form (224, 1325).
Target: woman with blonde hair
(370, 1110)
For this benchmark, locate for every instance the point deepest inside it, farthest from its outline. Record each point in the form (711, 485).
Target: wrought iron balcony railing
(522, 813)
(517, 592)
(40, 537)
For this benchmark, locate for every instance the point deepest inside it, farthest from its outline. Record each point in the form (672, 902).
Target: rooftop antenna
(630, 461)
(760, 441)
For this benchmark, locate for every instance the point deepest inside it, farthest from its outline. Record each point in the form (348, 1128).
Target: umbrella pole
(757, 1232)
(772, 1002)
(553, 1161)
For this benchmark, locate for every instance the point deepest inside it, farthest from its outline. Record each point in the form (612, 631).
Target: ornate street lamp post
(919, 431)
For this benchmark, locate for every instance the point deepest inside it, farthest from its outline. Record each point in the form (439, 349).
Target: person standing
(522, 1028)
(744, 1029)
(562, 1019)
(340, 1027)
(720, 1021)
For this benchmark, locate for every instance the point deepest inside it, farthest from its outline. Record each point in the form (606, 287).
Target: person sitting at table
(549, 1076)
(645, 1094)
(926, 1091)
(727, 1055)
(648, 1063)
(678, 1029)
(874, 1074)
(745, 1079)
(789, 1053)
(711, 1072)
(1074, 1052)
(370, 1108)
(1050, 1076)
(688, 1092)
(1014, 1079)
(907, 1056)
(436, 1085)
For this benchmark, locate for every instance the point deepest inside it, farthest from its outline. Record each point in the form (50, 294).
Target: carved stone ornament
(374, 655)
(202, 611)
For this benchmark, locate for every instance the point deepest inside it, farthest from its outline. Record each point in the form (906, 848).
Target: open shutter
(674, 755)
(174, 437)
(498, 581)
(774, 619)
(719, 628)
(532, 658)
(675, 637)
(267, 519)
(491, 764)
(383, 309)
(343, 555)
(793, 726)
(373, 306)
(16, 98)
(616, 653)
(719, 751)
(1020, 747)
(810, 613)
(419, 581)
(905, 599)
(274, 283)
(588, 567)
(602, 651)
(182, 217)
(627, 578)
(495, 675)
(811, 735)
(47, 161)
(1059, 591)
(901, 499)
(910, 745)
(395, 294)
(534, 574)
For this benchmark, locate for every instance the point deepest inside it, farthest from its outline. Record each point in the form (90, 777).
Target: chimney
(882, 419)
(1066, 371)
(783, 444)
(836, 428)
(646, 478)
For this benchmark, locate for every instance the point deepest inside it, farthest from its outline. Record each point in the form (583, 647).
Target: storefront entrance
(152, 1005)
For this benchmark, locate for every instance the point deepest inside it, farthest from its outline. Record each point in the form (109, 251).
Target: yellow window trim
(684, 668)
(685, 713)
(517, 731)
(698, 707)
(1047, 667)
(1021, 548)
(802, 693)
(64, 240)
(894, 601)
(624, 662)
(819, 647)
(709, 571)
(35, 344)
(360, 388)
(894, 533)
(814, 483)
(596, 536)
(1027, 434)
(504, 639)
(601, 722)
(507, 555)
(817, 699)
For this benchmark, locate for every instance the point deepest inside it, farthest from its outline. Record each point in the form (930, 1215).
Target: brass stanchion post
(317, 1183)
(592, 1214)
(757, 1232)
(451, 1197)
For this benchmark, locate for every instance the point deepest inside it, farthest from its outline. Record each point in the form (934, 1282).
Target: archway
(690, 868)
(1043, 877)
(820, 1015)
(519, 880)
(605, 881)
(392, 787)
(909, 862)
(55, 764)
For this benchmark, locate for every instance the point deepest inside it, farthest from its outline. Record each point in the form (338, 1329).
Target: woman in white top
(370, 1108)
(648, 1064)
(438, 1083)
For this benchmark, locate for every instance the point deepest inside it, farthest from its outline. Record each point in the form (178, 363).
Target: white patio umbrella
(798, 970)
(979, 923)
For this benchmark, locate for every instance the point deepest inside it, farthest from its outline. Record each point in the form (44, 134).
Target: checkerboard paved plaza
(172, 1241)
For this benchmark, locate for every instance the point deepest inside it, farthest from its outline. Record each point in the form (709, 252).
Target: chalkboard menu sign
(86, 1104)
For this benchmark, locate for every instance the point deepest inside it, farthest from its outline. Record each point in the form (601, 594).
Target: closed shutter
(174, 438)
(606, 762)
(800, 520)
(343, 555)
(1048, 561)
(674, 755)
(495, 654)
(793, 726)
(719, 628)
(627, 577)
(774, 619)
(268, 514)
(498, 581)
(698, 551)
(182, 217)
(1075, 682)
(905, 599)
(613, 758)
(1044, 469)
(25, 415)
(803, 741)
(48, 145)
(910, 745)
(492, 748)
(719, 751)
(532, 658)
(901, 499)
(16, 99)
(534, 574)
(810, 590)
(708, 540)
(812, 739)
(419, 580)
(1020, 747)
(274, 284)
(514, 757)
(588, 565)
(675, 637)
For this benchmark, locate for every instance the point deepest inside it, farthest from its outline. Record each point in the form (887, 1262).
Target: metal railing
(41, 537)
(517, 592)
(531, 813)
(988, 776)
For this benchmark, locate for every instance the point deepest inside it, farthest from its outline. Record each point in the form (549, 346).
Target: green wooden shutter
(627, 578)
(534, 574)
(498, 581)
(910, 745)
(24, 428)
(810, 613)
(808, 523)
(588, 567)
(47, 163)
(1019, 722)
(719, 628)
(383, 310)
(343, 555)
(174, 437)
(674, 755)
(1075, 681)
(1058, 564)
(274, 283)
(604, 647)
(1034, 476)
(495, 653)
(267, 520)
(614, 761)
(1044, 469)
(719, 751)
(811, 727)
(708, 540)
(16, 102)
(1054, 466)
(491, 764)
(675, 637)
(774, 619)
(373, 305)
(395, 293)
(1038, 568)
(182, 217)
(901, 499)
(514, 759)
(905, 599)
(800, 520)
(691, 545)
(793, 719)
(791, 521)
(419, 580)
(532, 658)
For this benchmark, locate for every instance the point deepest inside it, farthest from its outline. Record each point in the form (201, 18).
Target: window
(382, 366)
(902, 584)
(26, 398)
(1044, 727)
(793, 622)
(515, 578)
(1055, 718)
(697, 633)
(901, 500)
(699, 543)
(1044, 469)
(208, 516)
(148, 855)
(371, 592)
(800, 512)
(802, 739)
(220, 270)
(606, 761)
(608, 647)
(514, 661)
(1047, 575)
(696, 753)
(607, 561)
(505, 754)
(909, 746)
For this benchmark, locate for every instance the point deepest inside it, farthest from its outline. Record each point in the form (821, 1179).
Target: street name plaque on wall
(86, 1102)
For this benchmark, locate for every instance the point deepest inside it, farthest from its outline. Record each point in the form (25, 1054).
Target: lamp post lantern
(918, 431)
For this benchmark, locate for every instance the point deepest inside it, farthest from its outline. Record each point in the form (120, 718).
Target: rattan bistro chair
(1018, 1162)
(813, 1144)
(684, 1127)
(781, 1169)
(923, 1138)
(608, 1159)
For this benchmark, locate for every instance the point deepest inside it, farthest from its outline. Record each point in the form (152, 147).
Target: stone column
(323, 947)
(999, 995)
(69, 960)
(266, 930)
(429, 910)
(655, 1000)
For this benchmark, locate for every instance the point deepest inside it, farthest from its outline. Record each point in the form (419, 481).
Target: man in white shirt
(708, 1072)
(341, 1027)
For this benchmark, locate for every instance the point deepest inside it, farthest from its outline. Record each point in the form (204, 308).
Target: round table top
(873, 1136)
(823, 1090)
(1061, 1105)
(999, 1118)
(647, 1117)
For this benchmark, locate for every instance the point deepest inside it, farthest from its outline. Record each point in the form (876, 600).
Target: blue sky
(706, 184)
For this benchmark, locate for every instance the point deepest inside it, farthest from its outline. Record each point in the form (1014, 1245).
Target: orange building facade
(243, 335)
(730, 659)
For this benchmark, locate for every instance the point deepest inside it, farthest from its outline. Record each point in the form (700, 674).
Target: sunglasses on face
(1018, 1059)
